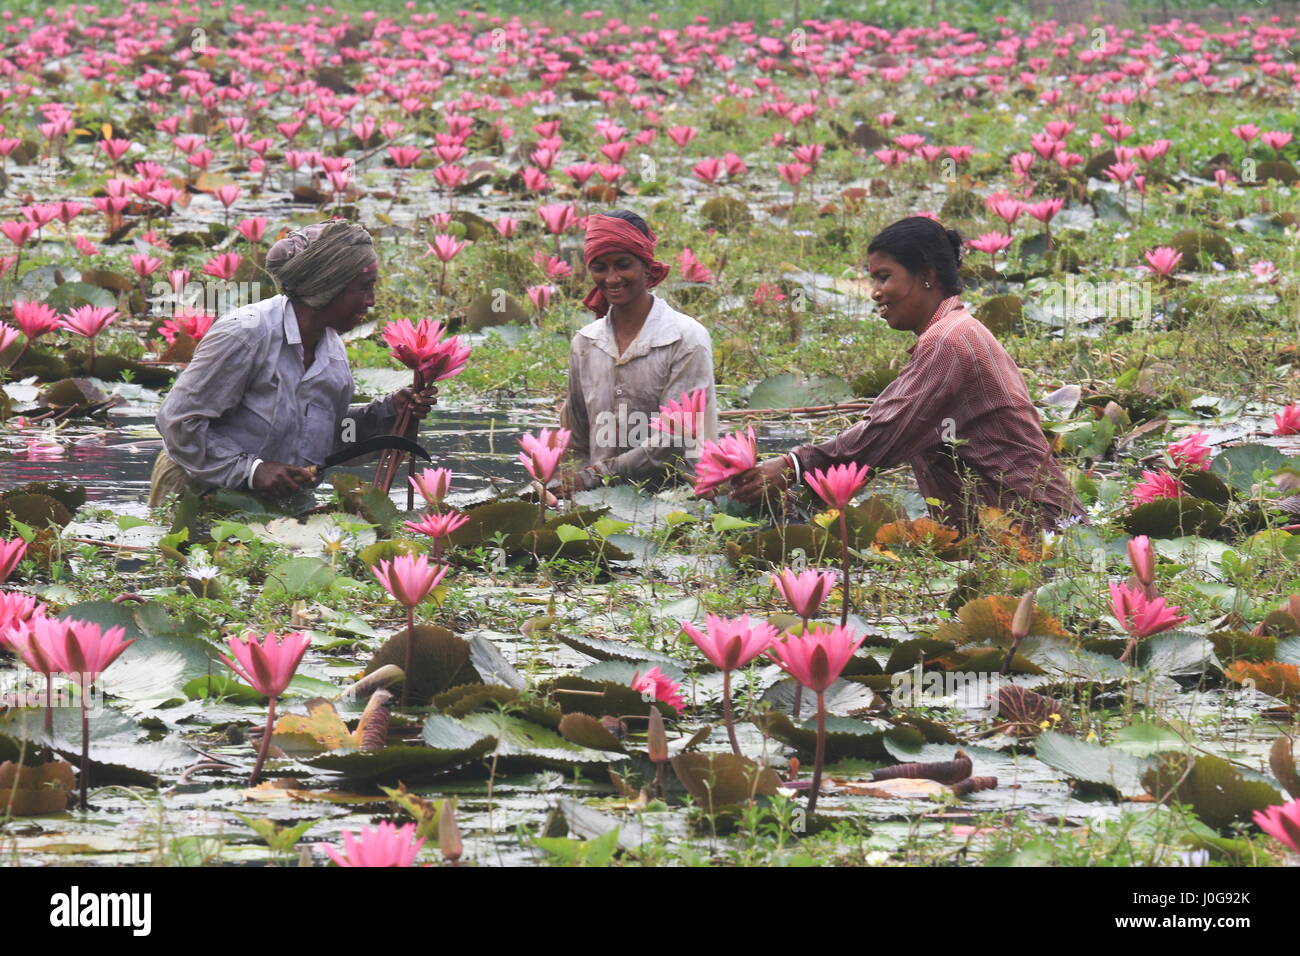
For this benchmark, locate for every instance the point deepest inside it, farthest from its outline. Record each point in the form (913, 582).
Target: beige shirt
(612, 397)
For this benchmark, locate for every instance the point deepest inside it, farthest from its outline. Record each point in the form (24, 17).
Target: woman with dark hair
(638, 355)
(959, 411)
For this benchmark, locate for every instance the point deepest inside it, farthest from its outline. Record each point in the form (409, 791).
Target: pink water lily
(11, 552)
(723, 460)
(1282, 823)
(806, 591)
(1287, 421)
(438, 527)
(89, 321)
(691, 269)
(17, 608)
(35, 319)
(409, 578)
(1141, 616)
(542, 452)
(422, 347)
(385, 845)
(837, 486)
(1155, 485)
(657, 685)
(267, 664)
(682, 415)
(731, 643)
(81, 649)
(1191, 452)
(1162, 261)
(433, 485)
(558, 218)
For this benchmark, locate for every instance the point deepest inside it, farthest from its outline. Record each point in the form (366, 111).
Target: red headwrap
(611, 234)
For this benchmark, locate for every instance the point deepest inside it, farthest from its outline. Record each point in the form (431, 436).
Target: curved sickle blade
(371, 445)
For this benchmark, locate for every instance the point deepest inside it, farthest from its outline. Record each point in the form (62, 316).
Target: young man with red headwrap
(638, 355)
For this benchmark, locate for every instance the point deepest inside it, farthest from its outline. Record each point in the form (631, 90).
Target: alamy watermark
(213, 298)
(975, 692)
(24, 688)
(1086, 299)
(629, 428)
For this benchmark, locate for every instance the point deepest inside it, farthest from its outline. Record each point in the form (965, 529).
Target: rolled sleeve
(212, 384)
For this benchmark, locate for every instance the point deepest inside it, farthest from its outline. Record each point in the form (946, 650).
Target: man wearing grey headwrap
(267, 393)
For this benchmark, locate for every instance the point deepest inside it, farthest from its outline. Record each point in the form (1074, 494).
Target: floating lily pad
(721, 779)
(586, 731)
(1091, 764)
(297, 578)
(1239, 645)
(1220, 793)
(522, 742)
(598, 697)
(1177, 654)
(1238, 465)
(843, 699)
(402, 762)
(513, 519)
(797, 391)
(845, 736)
(1173, 517)
(36, 791)
(603, 650)
(780, 545)
(441, 661)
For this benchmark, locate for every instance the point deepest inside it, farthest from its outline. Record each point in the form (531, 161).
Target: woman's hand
(419, 402)
(769, 479)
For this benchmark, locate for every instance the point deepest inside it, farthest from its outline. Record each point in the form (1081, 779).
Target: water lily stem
(844, 566)
(821, 752)
(85, 749)
(727, 717)
(265, 748)
(410, 655)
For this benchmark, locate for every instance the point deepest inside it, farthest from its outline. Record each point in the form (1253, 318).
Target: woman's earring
(927, 285)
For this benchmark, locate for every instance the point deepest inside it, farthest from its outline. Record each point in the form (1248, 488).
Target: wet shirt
(246, 395)
(612, 398)
(960, 414)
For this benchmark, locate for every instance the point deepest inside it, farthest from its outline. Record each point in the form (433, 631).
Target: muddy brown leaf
(943, 771)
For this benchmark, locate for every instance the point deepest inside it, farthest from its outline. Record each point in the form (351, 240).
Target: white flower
(877, 858)
(203, 572)
(1193, 858)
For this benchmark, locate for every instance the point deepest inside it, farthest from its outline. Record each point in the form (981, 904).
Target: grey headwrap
(316, 263)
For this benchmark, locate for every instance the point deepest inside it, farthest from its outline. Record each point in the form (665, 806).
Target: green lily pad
(1220, 793)
(522, 742)
(440, 661)
(1237, 466)
(1177, 654)
(722, 779)
(586, 731)
(792, 390)
(1091, 764)
(297, 578)
(603, 650)
(1173, 517)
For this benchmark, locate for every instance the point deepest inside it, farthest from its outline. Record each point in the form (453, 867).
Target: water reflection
(115, 462)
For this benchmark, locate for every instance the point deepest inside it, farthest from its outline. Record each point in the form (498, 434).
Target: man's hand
(276, 479)
(771, 478)
(418, 402)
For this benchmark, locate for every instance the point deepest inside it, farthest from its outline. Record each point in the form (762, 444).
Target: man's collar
(659, 329)
(292, 334)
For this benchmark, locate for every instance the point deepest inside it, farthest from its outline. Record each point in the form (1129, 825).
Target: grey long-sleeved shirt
(247, 396)
(613, 397)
